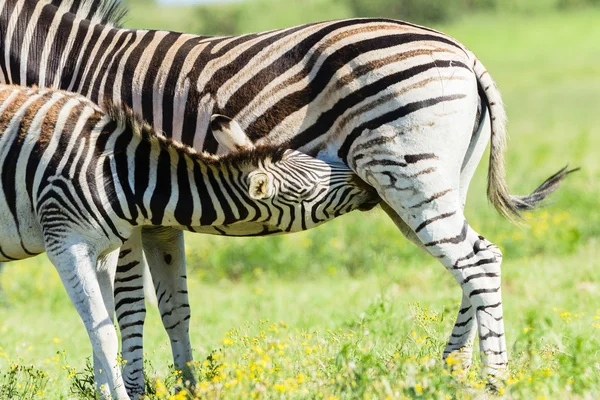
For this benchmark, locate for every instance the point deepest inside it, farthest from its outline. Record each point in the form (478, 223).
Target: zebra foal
(77, 182)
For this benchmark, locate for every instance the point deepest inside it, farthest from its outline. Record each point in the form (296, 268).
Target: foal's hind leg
(131, 311)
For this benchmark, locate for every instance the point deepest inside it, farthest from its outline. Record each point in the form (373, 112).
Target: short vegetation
(352, 310)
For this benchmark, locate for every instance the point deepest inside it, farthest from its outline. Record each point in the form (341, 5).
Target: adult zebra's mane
(105, 12)
(127, 119)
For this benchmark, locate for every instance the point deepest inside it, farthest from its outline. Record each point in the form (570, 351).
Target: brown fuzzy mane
(127, 119)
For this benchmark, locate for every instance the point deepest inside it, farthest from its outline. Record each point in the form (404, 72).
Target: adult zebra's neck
(41, 43)
(48, 46)
(45, 45)
(159, 182)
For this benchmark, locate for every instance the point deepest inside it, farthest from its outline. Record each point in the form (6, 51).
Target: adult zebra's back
(409, 109)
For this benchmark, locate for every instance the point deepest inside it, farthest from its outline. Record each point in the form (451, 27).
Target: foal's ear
(261, 186)
(229, 133)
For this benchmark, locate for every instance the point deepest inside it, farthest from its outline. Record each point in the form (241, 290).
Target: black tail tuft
(533, 200)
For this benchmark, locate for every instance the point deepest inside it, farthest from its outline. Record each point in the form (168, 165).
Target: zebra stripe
(374, 94)
(88, 196)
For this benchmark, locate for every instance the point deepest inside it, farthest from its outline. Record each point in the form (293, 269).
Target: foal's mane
(127, 119)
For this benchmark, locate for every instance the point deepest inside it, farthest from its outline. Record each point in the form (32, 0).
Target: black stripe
(185, 203)
(226, 180)
(4, 17)
(111, 58)
(208, 213)
(222, 202)
(111, 73)
(382, 119)
(454, 240)
(162, 191)
(130, 66)
(5, 256)
(151, 72)
(17, 42)
(142, 174)
(122, 166)
(437, 218)
(89, 46)
(464, 323)
(128, 300)
(481, 291)
(171, 82)
(91, 176)
(123, 253)
(59, 43)
(95, 63)
(480, 275)
(34, 59)
(249, 90)
(126, 289)
(120, 279)
(478, 263)
(124, 268)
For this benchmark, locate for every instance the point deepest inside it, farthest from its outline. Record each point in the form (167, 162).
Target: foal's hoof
(493, 388)
(495, 383)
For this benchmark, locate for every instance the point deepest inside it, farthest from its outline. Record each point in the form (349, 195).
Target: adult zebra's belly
(19, 243)
(237, 229)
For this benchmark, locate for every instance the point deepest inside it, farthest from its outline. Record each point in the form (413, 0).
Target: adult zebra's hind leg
(460, 343)
(165, 252)
(131, 311)
(423, 189)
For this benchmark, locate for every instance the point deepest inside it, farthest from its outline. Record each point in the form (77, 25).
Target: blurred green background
(357, 276)
(234, 17)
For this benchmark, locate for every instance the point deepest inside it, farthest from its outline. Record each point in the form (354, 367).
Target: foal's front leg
(76, 264)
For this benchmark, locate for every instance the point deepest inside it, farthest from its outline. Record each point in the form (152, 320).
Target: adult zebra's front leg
(165, 254)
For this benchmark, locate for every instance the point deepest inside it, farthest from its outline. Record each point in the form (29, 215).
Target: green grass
(359, 279)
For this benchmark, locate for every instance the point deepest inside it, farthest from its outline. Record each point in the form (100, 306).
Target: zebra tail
(509, 206)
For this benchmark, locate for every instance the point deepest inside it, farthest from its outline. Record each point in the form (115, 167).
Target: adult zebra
(77, 183)
(409, 109)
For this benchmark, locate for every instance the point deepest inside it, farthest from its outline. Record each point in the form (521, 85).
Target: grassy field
(351, 309)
